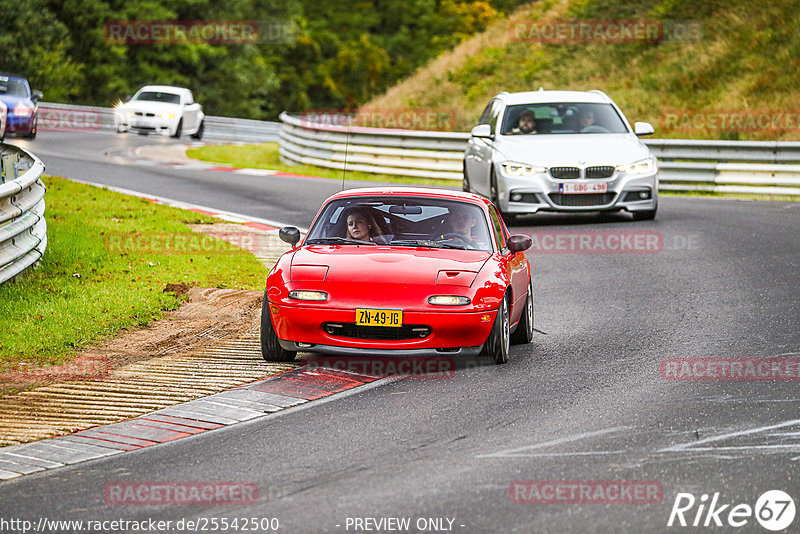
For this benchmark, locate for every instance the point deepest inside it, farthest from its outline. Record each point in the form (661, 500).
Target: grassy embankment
(109, 257)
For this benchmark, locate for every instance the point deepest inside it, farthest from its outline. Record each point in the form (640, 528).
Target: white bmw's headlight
(166, 115)
(308, 295)
(448, 300)
(512, 168)
(645, 166)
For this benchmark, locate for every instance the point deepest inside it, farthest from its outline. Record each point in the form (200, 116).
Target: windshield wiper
(424, 243)
(337, 240)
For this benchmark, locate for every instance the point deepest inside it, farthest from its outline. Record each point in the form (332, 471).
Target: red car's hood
(381, 264)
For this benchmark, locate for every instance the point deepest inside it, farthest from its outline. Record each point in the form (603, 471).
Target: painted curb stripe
(250, 401)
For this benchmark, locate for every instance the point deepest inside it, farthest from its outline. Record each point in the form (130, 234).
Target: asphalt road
(584, 402)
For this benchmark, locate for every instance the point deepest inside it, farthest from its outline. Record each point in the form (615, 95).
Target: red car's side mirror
(519, 243)
(291, 235)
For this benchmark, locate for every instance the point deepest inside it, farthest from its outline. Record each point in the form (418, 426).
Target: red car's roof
(411, 191)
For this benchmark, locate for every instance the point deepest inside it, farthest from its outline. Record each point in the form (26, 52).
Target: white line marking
(692, 445)
(555, 454)
(795, 446)
(255, 172)
(559, 441)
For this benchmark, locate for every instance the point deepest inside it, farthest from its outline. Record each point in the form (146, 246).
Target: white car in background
(161, 109)
(581, 155)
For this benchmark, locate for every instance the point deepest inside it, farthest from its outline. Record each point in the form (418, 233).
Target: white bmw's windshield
(562, 118)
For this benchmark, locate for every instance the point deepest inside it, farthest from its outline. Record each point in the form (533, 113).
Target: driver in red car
(360, 226)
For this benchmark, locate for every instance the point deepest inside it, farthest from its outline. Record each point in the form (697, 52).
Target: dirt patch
(209, 315)
(179, 289)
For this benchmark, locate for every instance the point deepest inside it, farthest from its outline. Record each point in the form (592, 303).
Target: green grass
(266, 156)
(106, 264)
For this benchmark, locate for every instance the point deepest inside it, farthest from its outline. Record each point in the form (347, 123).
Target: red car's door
(518, 267)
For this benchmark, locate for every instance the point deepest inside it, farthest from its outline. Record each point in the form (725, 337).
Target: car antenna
(346, 143)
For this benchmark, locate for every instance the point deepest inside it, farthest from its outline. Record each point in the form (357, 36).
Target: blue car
(22, 105)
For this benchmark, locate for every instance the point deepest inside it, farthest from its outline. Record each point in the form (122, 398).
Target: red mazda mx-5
(400, 271)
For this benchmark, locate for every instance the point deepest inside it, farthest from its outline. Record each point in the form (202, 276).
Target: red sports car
(400, 271)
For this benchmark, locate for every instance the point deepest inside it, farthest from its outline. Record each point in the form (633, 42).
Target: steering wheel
(452, 236)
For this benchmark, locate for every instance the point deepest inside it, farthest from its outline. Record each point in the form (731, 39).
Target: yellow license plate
(371, 317)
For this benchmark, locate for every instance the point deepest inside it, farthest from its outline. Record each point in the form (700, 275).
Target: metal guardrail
(753, 167)
(68, 117)
(402, 152)
(23, 230)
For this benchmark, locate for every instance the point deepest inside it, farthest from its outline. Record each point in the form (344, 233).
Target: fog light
(486, 317)
(274, 309)
(516, 197)
(643, 194)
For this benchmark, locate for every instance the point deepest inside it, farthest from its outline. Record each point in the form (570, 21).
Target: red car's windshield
(402, 221)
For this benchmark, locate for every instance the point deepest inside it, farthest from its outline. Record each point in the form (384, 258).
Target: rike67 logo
(774, 510)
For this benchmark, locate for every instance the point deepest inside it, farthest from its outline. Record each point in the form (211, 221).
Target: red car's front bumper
(309, 328)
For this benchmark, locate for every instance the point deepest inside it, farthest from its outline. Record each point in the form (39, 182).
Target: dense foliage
(338, 54)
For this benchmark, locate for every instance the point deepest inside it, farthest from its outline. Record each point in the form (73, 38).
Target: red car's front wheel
(271, 349)
(497, 345)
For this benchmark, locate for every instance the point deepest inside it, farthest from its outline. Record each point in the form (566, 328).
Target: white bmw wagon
(561, 151)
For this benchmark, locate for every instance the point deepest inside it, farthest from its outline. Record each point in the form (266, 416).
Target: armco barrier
(401, 152)
(68, 117)
(752, 167)
(23, 230)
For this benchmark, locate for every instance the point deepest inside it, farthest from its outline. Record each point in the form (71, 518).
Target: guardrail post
(9, 166)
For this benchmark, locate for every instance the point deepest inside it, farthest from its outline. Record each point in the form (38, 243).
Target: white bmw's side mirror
(643, 128)
(482, 130)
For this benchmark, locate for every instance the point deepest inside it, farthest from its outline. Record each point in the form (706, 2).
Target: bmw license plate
(372, 317)
(583, 187)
